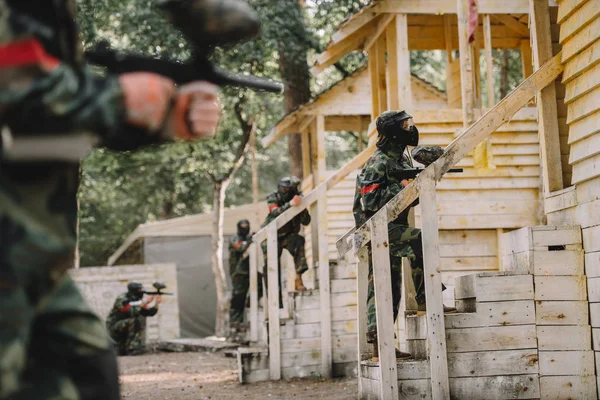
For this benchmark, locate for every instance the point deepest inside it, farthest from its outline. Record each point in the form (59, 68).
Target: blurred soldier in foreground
(239, 268)
(127, 319)
(288, 237)
(378, 182)
(51, 344)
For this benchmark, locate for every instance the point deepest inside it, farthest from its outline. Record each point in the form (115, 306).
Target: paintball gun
(206, 24)
(411, 173)
(158, 286)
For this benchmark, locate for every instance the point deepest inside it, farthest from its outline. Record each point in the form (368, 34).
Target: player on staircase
(288, 237)
(377, 184)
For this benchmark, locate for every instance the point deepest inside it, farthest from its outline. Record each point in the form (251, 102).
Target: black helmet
(288, 187)
(389, 125)
(135, 290)
(243, 227)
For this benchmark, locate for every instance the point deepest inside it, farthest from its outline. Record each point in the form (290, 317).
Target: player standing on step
(377, 184)
(288, 237)
(239, 268)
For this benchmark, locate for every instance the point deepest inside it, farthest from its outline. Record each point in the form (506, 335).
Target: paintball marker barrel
(411, 173)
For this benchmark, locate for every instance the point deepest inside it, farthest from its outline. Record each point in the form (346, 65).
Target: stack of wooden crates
(554, 257)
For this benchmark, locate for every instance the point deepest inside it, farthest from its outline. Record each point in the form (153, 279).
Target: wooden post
(499, 246)
(384, 307)
(253, 255)
(320, 154)
(372, 54)
(273, 300)
(393, 91)
(487, 43)
(380, 47)
(324, 286)
(362, 283)
(436, 331)
(477, 73)
(526, 58)
(403, 56)
(539, 17)
(466, 63)
(361, 145)
(306, 170)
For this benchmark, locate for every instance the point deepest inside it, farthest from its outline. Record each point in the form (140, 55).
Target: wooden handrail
(466, 142)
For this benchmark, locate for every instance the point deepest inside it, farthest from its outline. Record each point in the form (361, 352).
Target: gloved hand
(153, 102)
(296, 200)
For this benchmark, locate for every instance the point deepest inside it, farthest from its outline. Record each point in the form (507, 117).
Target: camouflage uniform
(126, 322)
(44, 89)
(288, 236)
(240, 277)
(375, 186)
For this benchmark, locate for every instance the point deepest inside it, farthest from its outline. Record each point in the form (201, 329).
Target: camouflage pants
(128, 334)
(404, 242)
(294, 244)
(240, 280)
(51, 343)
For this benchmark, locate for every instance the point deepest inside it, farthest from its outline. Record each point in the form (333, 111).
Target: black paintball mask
(396, 131)
(243, 227)
(288, 187)
(135, 290)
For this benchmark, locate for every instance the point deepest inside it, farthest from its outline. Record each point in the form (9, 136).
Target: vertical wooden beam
(393, 90)
(306, 170)
(253, 254)
(499, 247)
(320, 141)
(539, 18)
(362, 282)
(449, 48)
(372, 54)
(380, 47)
(487, 43)
(273, 301)
(436, 331)
(361, 145)
(384, 307)
(324, 286)
(314, 153)
(466, 63)
(403, 55)
(526, 58)
(477, 73)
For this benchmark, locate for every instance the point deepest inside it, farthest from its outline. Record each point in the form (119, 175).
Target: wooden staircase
(300, 333)
(522, 333)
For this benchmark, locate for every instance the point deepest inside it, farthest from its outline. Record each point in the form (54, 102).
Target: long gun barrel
(198, 69)
(411, 173)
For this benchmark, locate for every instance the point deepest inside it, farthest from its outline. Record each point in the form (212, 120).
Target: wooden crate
(494, 286)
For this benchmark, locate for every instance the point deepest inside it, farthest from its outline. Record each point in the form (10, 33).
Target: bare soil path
(201, 376)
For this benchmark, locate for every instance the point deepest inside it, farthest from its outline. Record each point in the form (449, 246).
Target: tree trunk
(293, 67)
(223, 295)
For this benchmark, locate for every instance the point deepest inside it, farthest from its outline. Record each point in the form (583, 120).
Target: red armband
(369, 189)
(125, 308)
(273, 207)
(26, 52)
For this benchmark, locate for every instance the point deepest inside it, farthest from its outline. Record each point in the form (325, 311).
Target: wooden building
(527, 325)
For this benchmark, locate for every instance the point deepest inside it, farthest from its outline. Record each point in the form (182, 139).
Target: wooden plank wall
(580, 38)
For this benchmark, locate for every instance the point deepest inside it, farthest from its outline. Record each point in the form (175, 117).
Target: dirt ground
(201, 376)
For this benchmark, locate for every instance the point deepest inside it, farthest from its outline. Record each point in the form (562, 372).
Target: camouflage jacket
(276, 207)
(237, 246)
(377, 184)
(46, 88)
(125, 307)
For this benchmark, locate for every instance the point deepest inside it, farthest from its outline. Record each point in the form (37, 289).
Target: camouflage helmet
(243, 227)
(135, 290)
(389, 125)
(288, 187)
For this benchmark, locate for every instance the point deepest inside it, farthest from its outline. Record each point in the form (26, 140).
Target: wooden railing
(269, 233)
(375, 230)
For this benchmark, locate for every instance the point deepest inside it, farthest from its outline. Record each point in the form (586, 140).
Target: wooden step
(494, 286)
(481, 375)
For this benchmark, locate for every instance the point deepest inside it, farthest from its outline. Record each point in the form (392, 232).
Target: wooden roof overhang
(509, 26)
